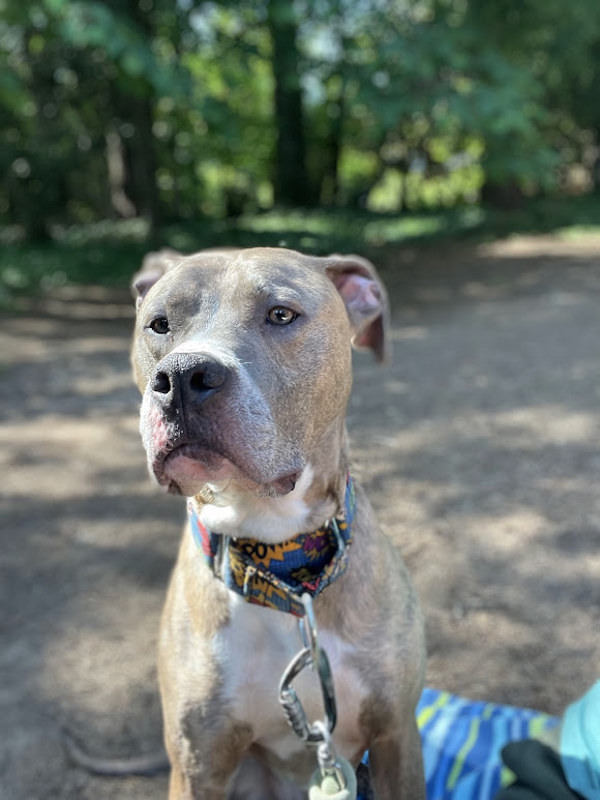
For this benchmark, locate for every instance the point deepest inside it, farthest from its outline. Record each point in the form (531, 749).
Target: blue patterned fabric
(462, 740)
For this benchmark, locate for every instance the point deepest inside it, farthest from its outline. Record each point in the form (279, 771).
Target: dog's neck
(318, 495)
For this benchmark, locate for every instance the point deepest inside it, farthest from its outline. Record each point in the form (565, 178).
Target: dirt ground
(479, 445)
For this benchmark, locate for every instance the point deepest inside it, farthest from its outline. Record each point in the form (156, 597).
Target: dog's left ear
(366, 301)
(154, 266)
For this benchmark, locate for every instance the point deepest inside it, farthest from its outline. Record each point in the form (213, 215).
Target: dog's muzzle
(203, 420)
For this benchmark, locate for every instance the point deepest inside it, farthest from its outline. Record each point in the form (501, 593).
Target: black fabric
(363, 780)
(539, 773)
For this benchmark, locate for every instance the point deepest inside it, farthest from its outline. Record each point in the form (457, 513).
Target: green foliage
(165, 110)
(88, 25)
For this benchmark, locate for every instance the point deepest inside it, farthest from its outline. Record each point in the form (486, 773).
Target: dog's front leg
(189, 786)
(205, 765)
(396, 766)
(181, 788)
(252, 781)
(185, 786)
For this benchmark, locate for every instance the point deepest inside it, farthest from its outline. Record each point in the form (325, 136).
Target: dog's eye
(160, 325)
(280, 315)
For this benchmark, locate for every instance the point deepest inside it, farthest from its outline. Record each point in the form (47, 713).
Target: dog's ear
(366, 301)
(154, 266)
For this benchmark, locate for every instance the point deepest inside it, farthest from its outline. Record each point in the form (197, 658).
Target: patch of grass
(325, 230)
(574, 216)
(30, 268)
(108, 253)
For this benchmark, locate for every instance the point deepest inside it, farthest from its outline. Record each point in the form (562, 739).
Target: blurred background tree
(174, 110)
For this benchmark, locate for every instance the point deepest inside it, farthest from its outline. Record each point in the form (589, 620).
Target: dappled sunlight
(62, 459)
(537, 247)
(505, 534)
(477, 444)
(549, 424)
(87, 386)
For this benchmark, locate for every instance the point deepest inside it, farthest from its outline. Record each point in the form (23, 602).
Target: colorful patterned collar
(276, 575)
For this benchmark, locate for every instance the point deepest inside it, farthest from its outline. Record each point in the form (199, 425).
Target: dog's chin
(188, 470)
(184, 474)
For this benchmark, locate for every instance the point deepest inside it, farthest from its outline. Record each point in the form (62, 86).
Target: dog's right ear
(154, 266)
(366, 302)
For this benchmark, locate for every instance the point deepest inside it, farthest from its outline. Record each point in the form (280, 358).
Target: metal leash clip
(335, 776)
(314, 656)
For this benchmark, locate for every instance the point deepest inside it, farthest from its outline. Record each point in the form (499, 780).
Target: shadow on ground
(479, 446)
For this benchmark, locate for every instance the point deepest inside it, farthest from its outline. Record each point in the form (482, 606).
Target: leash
(334, 778)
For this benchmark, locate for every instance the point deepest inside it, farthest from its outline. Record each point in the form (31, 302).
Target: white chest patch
(229, 513)
(255, 649)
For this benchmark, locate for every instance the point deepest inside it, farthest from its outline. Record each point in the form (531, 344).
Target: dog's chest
(255, 649)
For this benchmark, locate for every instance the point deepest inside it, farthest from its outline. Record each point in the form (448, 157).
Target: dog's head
(243, 359)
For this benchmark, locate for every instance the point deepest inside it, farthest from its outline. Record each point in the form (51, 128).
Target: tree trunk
(144, 189)
(137, 178)
(139, 156)
(290, 179)
(121, 204)
(329, 180)
(595, 165)
(506, 196)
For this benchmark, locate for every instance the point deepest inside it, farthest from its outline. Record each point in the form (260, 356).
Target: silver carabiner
(290, 702)
(312, 655)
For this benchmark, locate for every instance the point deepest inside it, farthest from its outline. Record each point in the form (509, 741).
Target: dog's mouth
(188, 468)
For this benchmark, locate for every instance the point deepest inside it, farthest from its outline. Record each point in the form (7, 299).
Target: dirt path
(480, 447)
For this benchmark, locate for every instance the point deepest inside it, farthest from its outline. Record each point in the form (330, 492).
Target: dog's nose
(187, 379)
